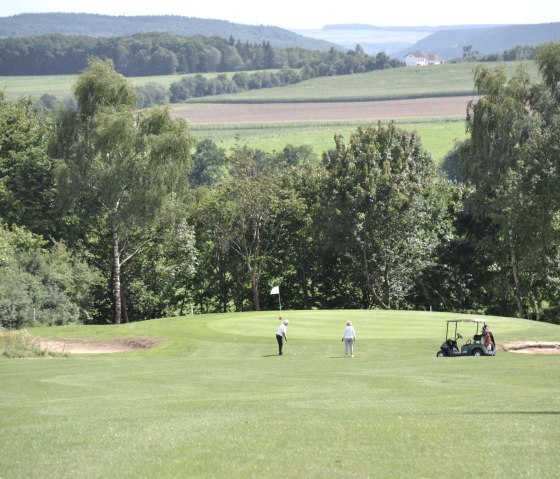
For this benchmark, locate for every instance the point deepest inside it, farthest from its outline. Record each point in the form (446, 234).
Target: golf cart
(471, 347)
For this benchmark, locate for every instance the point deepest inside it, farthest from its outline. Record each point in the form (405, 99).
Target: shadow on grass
(510, 412)
(294, 354)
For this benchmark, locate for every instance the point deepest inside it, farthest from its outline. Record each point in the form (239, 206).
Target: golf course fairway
(211, 398)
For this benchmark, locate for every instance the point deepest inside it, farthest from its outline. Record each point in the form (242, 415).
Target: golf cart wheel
(477, 352)
(441, 354)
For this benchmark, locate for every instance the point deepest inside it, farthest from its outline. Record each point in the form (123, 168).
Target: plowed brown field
(206, 114)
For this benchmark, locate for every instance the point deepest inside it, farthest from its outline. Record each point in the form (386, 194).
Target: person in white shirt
(349, 337)
(281, 335)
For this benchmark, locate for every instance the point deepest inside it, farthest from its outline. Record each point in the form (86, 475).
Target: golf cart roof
(466, 321)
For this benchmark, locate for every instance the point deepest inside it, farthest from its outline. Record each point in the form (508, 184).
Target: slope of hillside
(29, 24)
(392, 40)
(449, 43)
(371, 38)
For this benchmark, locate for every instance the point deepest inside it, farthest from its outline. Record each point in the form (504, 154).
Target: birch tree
(499, 123)
(119, 166)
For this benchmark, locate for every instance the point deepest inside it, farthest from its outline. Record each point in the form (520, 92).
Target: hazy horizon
(311, 15)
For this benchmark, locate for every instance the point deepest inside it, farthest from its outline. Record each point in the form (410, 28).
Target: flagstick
(276, 290)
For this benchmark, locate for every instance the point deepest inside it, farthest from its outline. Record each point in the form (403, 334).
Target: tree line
(198, 85)
(519, 53)
(110, 215)
(149, 54)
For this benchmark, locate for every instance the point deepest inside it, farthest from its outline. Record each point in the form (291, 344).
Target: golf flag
(276, 290)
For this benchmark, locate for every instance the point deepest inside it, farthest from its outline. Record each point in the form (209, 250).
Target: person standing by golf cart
(281, 335)
(488, 338)
(349, 337)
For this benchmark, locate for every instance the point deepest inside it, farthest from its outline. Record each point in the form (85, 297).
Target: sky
(312, 14)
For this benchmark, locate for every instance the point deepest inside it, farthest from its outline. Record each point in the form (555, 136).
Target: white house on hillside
(419, 59)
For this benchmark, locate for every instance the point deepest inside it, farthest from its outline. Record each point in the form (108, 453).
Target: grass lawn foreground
(215, 400)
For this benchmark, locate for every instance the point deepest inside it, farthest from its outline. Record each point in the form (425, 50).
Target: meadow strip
(437, 136)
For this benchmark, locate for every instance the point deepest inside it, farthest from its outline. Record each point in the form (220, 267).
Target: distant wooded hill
(145, 54)
(449, 44)
(29, 24)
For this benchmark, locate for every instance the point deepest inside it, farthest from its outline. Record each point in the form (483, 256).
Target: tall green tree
(220, 282)
(499, 123)
(119, 166)
(249, 213)
(159, 280)
(548, 60)
(297, 256)
(251, 217)
(510, 163)
(380, 210)
(209, 164)
(27, 174)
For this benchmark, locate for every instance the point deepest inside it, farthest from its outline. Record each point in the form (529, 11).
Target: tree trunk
(516, 281)
(312, 294)
(224, 289)
(306, 300)
(254, 273)
(116, 278)
(303, 280)
(124, 307)
(256, 301)
(370, 284)
(386, 286)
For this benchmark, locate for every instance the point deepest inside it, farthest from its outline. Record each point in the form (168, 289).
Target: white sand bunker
(119, 346)
(530, 347)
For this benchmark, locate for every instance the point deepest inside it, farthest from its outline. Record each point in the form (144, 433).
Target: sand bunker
(119, 346)
(134, 344)
(530, 347)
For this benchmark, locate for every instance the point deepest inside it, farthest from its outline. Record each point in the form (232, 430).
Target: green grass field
(442, 80)
(450, 79)
(215, 401)
(437, 136)
(61, 85)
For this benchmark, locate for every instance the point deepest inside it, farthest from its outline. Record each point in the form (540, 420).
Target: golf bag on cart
(451, 347)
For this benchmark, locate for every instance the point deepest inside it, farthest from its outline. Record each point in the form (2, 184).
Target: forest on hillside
(111, 215)
(93, 25)
(162, 54)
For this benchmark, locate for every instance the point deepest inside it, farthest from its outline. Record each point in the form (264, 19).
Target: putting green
(325, 325)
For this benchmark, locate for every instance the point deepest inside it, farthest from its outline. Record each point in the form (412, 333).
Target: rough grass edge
(20, 344)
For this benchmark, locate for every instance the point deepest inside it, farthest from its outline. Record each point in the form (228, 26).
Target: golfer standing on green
(281, 335)
(349, 337)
